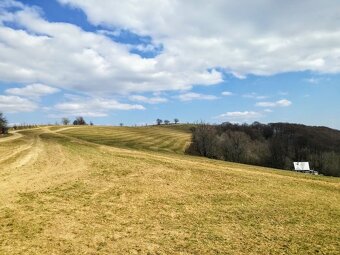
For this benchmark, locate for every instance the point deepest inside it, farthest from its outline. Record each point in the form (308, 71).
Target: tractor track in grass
(61, 194)
(15, 152)
(14, 135)
(35, 164)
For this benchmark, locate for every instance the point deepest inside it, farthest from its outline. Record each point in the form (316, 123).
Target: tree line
(275, 145)
(78, 121)
(166, 122)
(3, 124)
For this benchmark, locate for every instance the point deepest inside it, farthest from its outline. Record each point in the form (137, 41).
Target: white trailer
(303, 167)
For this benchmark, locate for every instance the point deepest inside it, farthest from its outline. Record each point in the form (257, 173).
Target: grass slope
(172, 138)
(64, 195)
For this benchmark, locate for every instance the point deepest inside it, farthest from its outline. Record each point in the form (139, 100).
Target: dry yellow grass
(172, 138)
(62, 193)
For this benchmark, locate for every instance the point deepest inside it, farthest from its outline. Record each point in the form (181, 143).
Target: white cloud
(198, 34)
(64, 55)
(16, 104)
(34, 90)
(254, 95)
(91, 107)
(227, 93)
(317, 80)
(268, 110)
(115, 33)
(195, 96)
(148, 100)
(239, 116)
(10, 3)
(199, 38)
(279, 103)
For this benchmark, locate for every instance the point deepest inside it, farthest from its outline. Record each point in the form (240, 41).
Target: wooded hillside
(275, 145)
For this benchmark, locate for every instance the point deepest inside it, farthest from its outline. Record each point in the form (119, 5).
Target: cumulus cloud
(241, 40)
(197, 48)
(279, 103)
(239, 116)
(194, 52)
(195, 96)
(91, 107)
(227, 93)
(34, 90)
(14, 104)
(68, 57)
(148, 100)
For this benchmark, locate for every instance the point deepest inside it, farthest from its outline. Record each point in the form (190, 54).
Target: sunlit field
(132, 190)
(173, 138)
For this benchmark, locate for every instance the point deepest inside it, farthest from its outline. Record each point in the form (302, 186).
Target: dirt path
(35, 164)
(35, 149)
(15, 152)
(15, 135)
(63, 129)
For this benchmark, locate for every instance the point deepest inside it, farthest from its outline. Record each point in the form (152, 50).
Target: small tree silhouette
(166, 122)
(65, 121)
(3, 120)
(176, 120)
(159, 121)
(3, 124)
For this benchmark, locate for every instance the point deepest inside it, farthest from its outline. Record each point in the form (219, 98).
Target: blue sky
(117, 62)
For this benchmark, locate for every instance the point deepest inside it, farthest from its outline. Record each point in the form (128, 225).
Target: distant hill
(274, 145)
(163, 138)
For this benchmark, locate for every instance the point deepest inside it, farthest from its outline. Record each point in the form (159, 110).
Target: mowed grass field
(172, 138)
(120, 190)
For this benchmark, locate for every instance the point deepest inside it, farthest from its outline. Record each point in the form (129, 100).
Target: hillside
(120, 190)
(171, 138)
(274, 145)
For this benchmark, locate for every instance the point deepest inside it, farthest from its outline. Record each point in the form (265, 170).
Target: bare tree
(176, 120)
(159, 121)
(65, 121)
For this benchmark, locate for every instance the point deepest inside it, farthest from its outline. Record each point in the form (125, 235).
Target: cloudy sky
(134, 61)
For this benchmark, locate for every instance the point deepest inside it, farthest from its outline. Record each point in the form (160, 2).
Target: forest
(275, 145)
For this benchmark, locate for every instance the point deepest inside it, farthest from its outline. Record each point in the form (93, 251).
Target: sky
(135, 61)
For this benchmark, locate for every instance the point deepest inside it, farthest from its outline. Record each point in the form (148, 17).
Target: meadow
(132, 190)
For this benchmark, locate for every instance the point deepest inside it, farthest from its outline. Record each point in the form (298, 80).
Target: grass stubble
(105, 190)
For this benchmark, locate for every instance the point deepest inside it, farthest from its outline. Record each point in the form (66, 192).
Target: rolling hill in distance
(132, 190)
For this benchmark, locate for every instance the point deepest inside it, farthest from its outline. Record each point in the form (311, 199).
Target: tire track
(15, 135)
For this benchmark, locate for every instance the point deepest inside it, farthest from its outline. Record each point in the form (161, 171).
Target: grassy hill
(120, 190)
(170, 138)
